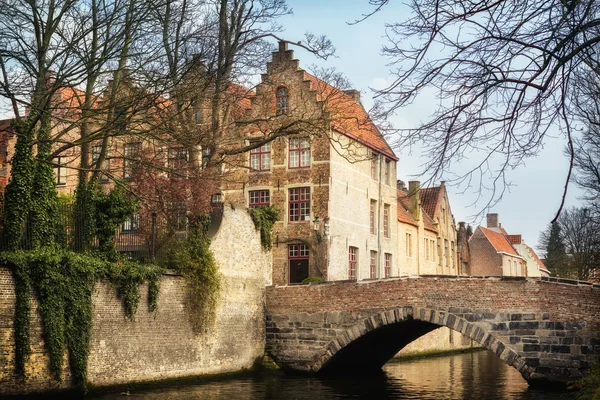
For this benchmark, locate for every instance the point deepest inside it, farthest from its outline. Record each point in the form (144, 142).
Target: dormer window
(282, 100)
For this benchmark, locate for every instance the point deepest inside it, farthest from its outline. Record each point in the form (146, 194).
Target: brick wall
(485, 261)
(160, 345)
(564, 302)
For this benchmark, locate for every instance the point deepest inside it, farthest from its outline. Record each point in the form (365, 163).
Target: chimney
(492, 220)
(400, 185)
(461, 225)
(414, 199)
(355, 94)
(283, 46)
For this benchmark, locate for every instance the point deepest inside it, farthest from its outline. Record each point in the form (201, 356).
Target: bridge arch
(374, 340)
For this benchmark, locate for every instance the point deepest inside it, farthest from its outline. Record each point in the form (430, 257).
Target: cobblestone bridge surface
(548, 329)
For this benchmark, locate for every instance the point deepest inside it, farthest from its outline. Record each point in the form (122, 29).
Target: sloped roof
(430, 198)
(403, 213)
(499, 241)
(537, 260)
(428, 223)
(514, 239)
(405, 216)
(349, 117)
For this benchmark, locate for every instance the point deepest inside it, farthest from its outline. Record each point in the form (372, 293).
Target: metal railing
(144, 237)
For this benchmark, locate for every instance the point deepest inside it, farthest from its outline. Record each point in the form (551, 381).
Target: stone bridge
(548, 329)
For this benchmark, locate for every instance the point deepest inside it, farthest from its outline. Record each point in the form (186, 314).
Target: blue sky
(537, 187)
(533, 200)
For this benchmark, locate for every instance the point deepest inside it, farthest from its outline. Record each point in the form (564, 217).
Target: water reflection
(478, 375)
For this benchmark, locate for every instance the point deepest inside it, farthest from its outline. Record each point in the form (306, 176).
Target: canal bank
(159, 345)
(473, 375)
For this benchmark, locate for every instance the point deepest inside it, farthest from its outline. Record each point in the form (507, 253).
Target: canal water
(478, 375)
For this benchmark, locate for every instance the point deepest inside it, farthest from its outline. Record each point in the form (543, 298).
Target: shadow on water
(477, 375)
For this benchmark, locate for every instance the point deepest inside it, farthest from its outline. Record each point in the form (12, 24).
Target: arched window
(282, 100)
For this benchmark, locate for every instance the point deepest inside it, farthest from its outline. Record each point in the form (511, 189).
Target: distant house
(427, 236)
(496, 253)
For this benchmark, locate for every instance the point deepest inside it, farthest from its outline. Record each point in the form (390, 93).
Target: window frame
(262, 155)
(133, 221)
(373, 264)
(387, 265)
(260, 194)
(386, 221)
(374, 159)
(300, 152)
(388, 163)
(61, 172)
(304, 190)
(130, 150)
(282, 100)
(372, 208)
(174, 162)
(352, 262)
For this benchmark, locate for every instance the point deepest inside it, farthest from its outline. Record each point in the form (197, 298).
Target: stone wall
(548, 330)
(160, 345)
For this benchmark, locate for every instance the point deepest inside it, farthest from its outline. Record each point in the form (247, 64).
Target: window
(198, 116)
(427, 249)
(60, 171)
(299, 209)
(372, 217)
(352, 257)
(96, 151)
(131, 151)
(388, 265)
(282, 100)
(259, 198)
(446, 253)
(120, 118)
(373, 265)
(386, 220)
(260, 158)
(299, 156)
(178, 158)
(206, 157)
(408, 245)
(452, 254)
(298, 255)
(387, 171)
(374, 159)
(132, 223)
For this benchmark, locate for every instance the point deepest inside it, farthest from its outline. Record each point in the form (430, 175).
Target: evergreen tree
(556, 256)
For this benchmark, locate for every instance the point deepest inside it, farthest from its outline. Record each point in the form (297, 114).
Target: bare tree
(503, 73)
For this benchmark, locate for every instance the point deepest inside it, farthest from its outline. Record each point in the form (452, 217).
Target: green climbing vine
(195, 261)
(264, 218)
(64, 282)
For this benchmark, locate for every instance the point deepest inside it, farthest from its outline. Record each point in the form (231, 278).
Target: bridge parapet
(547, 331)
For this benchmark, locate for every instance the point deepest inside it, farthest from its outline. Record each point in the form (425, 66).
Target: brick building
(494, 252)
(332, 180)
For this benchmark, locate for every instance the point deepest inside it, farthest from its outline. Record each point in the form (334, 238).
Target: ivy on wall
(195, 261)
(264, 218)
(64, 282)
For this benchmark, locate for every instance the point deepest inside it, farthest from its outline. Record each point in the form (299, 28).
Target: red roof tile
(405, 216)
(349, 117)
(430, 198)
(513, 239)
(499, 241)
